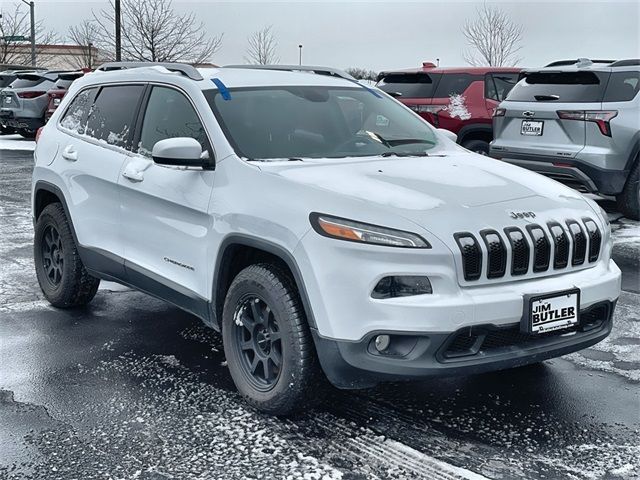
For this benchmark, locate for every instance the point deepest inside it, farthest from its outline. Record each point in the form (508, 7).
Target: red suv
(461, 100)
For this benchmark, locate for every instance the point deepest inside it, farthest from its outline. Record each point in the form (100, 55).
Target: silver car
(23, 103)
(577, 122)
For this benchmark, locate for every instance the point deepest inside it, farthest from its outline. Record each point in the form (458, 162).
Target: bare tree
(17, 24)
(362, 74)
(493, 37)
(262, 47)
(153, 31)
(86, 36)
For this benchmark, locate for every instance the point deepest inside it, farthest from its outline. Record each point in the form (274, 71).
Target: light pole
(32, 13)
(300, 54)
(90, 55)
(118, 29)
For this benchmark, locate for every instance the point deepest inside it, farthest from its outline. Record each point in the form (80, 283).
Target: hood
(459, 180)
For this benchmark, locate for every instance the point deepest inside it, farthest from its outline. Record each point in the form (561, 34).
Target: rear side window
(27, 82)
(169, 114)
(498, 85)
(409, 85)
(75, 118)
(112, 115)
(577, 86)
(622, 87)
(454, 84)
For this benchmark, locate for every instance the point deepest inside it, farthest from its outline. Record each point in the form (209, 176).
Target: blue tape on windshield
(224, 91)
(370, 90)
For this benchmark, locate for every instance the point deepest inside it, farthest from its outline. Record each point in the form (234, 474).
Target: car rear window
(570, 87)
(63, 84)
(409, 85)
(6, 80)
(454, 84)
(27, 82)
(622, 87)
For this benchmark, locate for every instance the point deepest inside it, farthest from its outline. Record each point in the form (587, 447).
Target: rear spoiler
(70, 75)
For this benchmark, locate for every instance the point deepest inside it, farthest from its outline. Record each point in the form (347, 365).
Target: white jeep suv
(322, 226)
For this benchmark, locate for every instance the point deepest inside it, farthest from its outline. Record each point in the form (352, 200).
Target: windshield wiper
(404, 154)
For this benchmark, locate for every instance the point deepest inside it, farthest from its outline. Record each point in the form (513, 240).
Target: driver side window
(169, 114)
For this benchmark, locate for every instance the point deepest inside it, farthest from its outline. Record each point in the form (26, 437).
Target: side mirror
(179, 151)
(449, 134)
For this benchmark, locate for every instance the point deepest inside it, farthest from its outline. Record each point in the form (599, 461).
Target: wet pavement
(133, 388)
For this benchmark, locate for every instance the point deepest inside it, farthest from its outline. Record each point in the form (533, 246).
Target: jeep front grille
(536, 250)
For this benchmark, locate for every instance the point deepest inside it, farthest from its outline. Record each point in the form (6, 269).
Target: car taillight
(38, 133)
(33, 94)
(499, 112)
(599, 117)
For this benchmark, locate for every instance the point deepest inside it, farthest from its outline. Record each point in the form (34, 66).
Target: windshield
(319, 122)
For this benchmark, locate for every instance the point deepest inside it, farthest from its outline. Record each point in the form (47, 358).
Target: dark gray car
(579, 123)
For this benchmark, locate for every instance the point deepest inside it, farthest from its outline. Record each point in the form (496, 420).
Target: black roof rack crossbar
(630, 62)
(561, 63)
(187, 70)
(329, 71)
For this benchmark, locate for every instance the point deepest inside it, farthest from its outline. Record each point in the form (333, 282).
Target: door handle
(70, 153)
(133, 175)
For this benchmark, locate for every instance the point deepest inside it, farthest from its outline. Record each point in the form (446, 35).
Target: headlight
(343, 229)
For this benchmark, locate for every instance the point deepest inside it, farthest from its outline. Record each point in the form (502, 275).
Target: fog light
(382, 342)
(402, 286)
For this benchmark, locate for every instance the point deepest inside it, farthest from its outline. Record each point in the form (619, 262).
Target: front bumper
(472, 350)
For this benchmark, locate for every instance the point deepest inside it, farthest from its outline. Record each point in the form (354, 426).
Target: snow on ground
(16, 142)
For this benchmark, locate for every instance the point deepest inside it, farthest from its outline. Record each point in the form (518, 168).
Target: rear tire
(60, 271)
(267, 342)
(477, 146)
(629, 199)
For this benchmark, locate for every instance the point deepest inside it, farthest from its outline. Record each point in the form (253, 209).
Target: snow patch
(458, 107)
(16, 142)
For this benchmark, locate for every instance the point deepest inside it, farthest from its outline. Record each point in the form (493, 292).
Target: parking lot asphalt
(133, 388)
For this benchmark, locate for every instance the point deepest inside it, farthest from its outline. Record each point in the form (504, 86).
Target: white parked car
(322, 226)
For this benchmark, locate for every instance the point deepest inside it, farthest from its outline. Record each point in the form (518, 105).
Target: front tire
(267, 341)
(629, 199)
(60, 271)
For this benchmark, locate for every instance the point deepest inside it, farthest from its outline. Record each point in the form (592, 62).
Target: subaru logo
(528, 114)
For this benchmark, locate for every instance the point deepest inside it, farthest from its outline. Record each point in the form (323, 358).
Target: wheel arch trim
(267, 246)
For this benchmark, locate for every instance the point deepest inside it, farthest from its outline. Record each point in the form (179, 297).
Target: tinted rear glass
(622, 87)
(112, 115)
(63, 84)
(567, 86)
(27, 82)
(6, 80)
(454, 84)
(409, 85)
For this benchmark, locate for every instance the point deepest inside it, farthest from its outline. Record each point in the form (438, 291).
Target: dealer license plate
(531, 128)
(553, 311)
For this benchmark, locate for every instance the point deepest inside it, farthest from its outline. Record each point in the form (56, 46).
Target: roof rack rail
(562, 63)
(329, 71)
(630, 62)
(185, 69)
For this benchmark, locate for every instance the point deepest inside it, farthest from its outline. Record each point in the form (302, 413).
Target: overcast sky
(382, 35)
